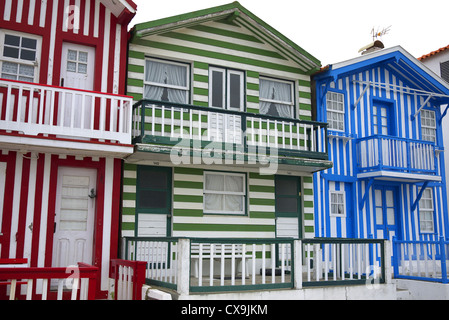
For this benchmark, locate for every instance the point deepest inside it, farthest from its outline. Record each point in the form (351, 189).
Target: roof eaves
(426, 56)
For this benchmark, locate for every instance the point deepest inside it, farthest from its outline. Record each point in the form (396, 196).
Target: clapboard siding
(359, 220)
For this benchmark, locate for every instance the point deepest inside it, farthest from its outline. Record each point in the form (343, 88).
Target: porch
(269, 268)
(394, 158)
(177, 133)
(55, 117)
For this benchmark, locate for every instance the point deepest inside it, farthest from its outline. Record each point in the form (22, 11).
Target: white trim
(107, 221)
(398, 176)
(337, 193)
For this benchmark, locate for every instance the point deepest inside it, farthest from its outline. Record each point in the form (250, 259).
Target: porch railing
(170, 123)
(421, 260)
(49, 283)
(129, 277)
(377, 153)
(218, 265)
(48, 110)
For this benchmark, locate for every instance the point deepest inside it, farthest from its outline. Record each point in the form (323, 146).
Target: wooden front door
(74, 217)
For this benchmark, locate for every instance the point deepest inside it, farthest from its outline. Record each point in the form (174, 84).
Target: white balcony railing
(377, 153)
(35, 109)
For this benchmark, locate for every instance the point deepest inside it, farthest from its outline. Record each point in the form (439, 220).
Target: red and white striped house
(64, 128)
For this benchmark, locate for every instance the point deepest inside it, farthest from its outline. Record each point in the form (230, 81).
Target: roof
(125, 10)
(415, 73)
(433, 53)
(234, 12)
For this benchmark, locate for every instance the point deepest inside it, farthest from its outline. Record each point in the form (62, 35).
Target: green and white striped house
(225, 145)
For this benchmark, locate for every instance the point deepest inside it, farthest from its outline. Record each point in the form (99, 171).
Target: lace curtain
(271, 91)
(220, 202)
(161, 78)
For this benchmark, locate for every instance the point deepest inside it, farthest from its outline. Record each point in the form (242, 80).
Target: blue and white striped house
(386, 142)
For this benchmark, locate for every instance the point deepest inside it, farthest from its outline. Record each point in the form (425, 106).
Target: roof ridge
(433, 53)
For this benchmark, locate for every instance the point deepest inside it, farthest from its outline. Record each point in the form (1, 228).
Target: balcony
(393, 158)
(228, 134)
(65, 115)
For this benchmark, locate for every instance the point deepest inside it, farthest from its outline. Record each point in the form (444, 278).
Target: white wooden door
(75, 217)
(77, 72)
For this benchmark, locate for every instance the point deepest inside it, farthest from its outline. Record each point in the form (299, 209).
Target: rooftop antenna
(379, 33)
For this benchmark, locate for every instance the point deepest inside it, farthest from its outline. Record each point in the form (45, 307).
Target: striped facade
(30, 165)
(393, 77)
(225, 37)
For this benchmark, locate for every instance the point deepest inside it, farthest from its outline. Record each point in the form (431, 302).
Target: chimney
(372, 47)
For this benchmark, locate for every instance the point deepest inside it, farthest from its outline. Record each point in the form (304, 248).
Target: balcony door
(226, 91)
(386, 212)
(383, 121)
(77, 72)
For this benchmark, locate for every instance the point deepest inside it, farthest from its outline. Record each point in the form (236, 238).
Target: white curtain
(277, 91)
(165, 75)
(223, 202)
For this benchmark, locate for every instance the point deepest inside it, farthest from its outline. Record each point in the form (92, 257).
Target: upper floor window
(19, 56)
(166, 81)
(335, 111)
(276, 98)
(428, 126)
(226, 89)
(426, 212)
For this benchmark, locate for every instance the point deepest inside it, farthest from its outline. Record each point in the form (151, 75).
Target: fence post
(183, 266)
(297, 273)
(396, 256)
(443, 260)
(387, 261)
(139, 279)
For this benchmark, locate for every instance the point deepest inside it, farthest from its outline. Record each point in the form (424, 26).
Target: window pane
(214, 182)
(11, 52)
(12, 40)
(28, 55)
(213, 202)
(153, 199)
(233, 203)
(217, 89)
(286, 187)
(153, 179)
(235, 91)
(234, 184)
(287, 205)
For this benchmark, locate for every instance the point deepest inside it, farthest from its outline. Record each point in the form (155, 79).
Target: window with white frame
(226, 89)
(224, 193)
(428, 126)
(426, 212)
(276, 98)
(166, 81)
(337, 203)
(19, 54)
(335, 111)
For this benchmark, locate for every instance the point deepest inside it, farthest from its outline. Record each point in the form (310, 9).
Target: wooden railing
(217, 265)
(377, 153)
(170, 123)
(49, 283)
(421, 260)
(35, 109)
(129, 277)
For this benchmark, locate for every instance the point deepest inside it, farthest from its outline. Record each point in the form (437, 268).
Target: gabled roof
(125, 10)
(433, 53)
(414, 73)
(232, 12)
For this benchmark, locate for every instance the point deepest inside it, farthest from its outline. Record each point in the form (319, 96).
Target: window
(224, 193)
(426, 212)
(276, 98)
(335, 111)
(19, 56)
(226, 89)
(337, 202)
(445, 70)
(166, 81)
(153, 189)
(77, 61)
(428, 126)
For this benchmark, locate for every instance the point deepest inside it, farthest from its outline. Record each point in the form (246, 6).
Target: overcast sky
(333, 30)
